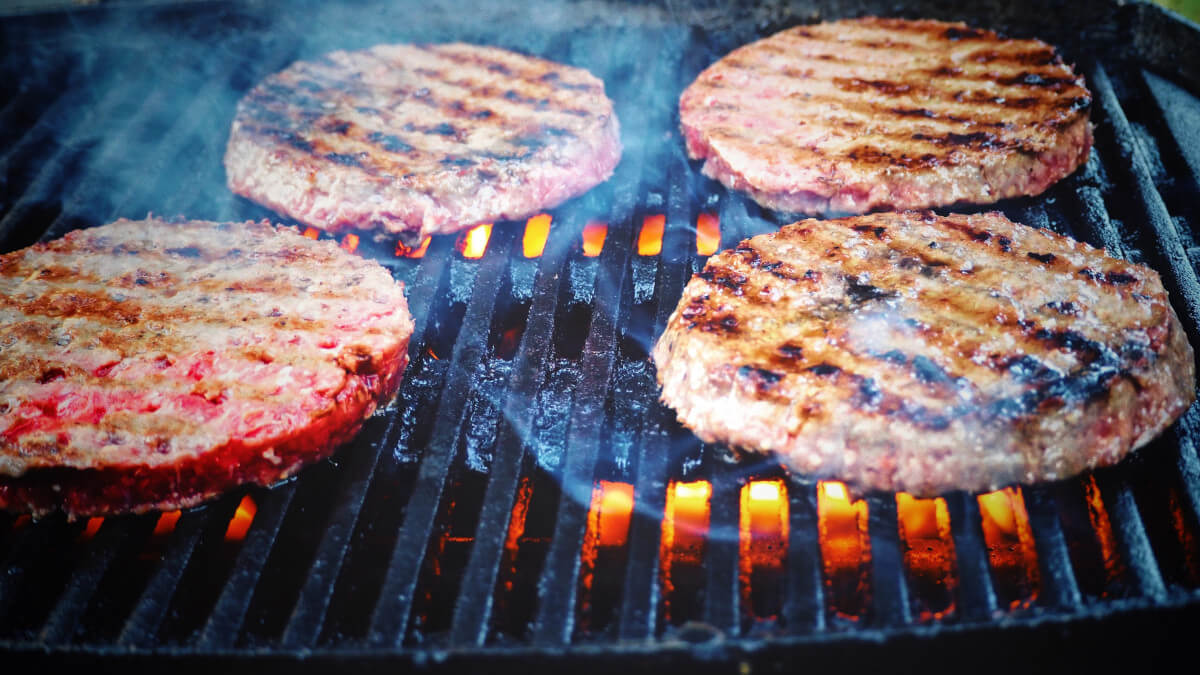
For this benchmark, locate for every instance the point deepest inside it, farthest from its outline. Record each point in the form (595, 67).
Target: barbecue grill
(526, 501)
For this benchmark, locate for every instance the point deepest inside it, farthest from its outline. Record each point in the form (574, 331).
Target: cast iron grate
(525, 496)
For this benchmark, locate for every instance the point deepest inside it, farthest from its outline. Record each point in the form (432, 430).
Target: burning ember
(593, 238)
(650, 237)
(684, 531)
(1011, 549)
(240, 523)
(708, 234)
(845, 550)
(418, 252)
(928, 554)
(537, 230)
(474, 243)
(763, 543)
(350, 242)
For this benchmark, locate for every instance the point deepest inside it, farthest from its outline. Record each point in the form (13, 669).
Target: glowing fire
(708, 234)
(312, 232)
(651, 236)
(93, 526)
(929, 554)
(763, 537)
(1011, 549)
(593, 238)
(474, 243)
(166, 523)
(845, 549)
(612, 507)
(681, 555)
(240, 523)
(537, 230)
(350, 242)
(1102, 526)
(418, 252)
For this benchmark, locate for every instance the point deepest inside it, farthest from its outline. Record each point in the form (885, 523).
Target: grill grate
(461, 525)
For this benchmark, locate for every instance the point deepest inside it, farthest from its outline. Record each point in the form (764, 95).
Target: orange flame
(612, 504)
(240, 523)
(474, 243)
(1102, 526)
(763, 537)
(929, 553)
(93, 526)
(593, 238)
(651, 236)
(845, 549)
(166, 523)
(708, 234)
(350, 242)
(537, 230)
(312, 232)
(685, 526)
(1011, 550)
(429, 351)
(418, 252)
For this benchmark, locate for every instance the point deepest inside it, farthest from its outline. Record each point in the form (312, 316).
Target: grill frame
(449, 417)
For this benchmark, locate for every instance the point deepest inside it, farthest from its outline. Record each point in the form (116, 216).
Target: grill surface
(465, 527)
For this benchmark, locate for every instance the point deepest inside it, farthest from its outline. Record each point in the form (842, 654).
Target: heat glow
(474, 243)
(593, 238)
(537, 230)
(845, 549)
(929, 556)
(763, 537)
(240, 523)
(418, 252)
(650, 237)
(708, 234)
(1011, 550)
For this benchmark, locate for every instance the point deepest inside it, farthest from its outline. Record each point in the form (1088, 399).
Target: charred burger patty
(421, 139)
(909, 351)
(866, 114)
(152, 365)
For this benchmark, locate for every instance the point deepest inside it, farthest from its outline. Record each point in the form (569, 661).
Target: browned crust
(863, 114)
(421, 139)
(153, 364)
(924, 354)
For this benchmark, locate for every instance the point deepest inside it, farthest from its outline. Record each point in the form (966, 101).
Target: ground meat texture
(416, 140)
(153, 365)
(915, 352)
(858, 115)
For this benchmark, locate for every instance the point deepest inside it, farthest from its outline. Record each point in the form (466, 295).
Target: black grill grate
(454, 530)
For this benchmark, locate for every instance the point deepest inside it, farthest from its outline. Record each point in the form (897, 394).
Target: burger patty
(908, 351)
(153, 365)
(421, 139)
(852, 116)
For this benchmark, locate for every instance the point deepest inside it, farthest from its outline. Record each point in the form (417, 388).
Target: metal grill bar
(975, 583)
(390, 618)
(888, 584)
(1059, 589)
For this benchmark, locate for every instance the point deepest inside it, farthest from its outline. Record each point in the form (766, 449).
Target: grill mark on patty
(291, 124)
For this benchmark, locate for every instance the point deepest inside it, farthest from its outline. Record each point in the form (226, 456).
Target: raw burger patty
(865, 114)
(153, 365)
(421, 139)
(908, 351)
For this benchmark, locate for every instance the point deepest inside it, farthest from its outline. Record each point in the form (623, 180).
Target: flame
(537, 230)
(240, 523)
(418, 252)
(429, 351)
(681, 553)
(651, 236)
(1102, 526)
(845, 549)
(166, 523)
(350, 242)
(312, 232)
(763, 537)
(929, 554)
(93, 526)
(708, 234)
(516, 524)
(1011, 550)
(593, 238)
(612, 507)
(474, 243)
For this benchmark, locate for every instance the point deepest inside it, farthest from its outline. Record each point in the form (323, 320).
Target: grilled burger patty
(908, 351)
(421, 139)
(852, 116)
(152, 365)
